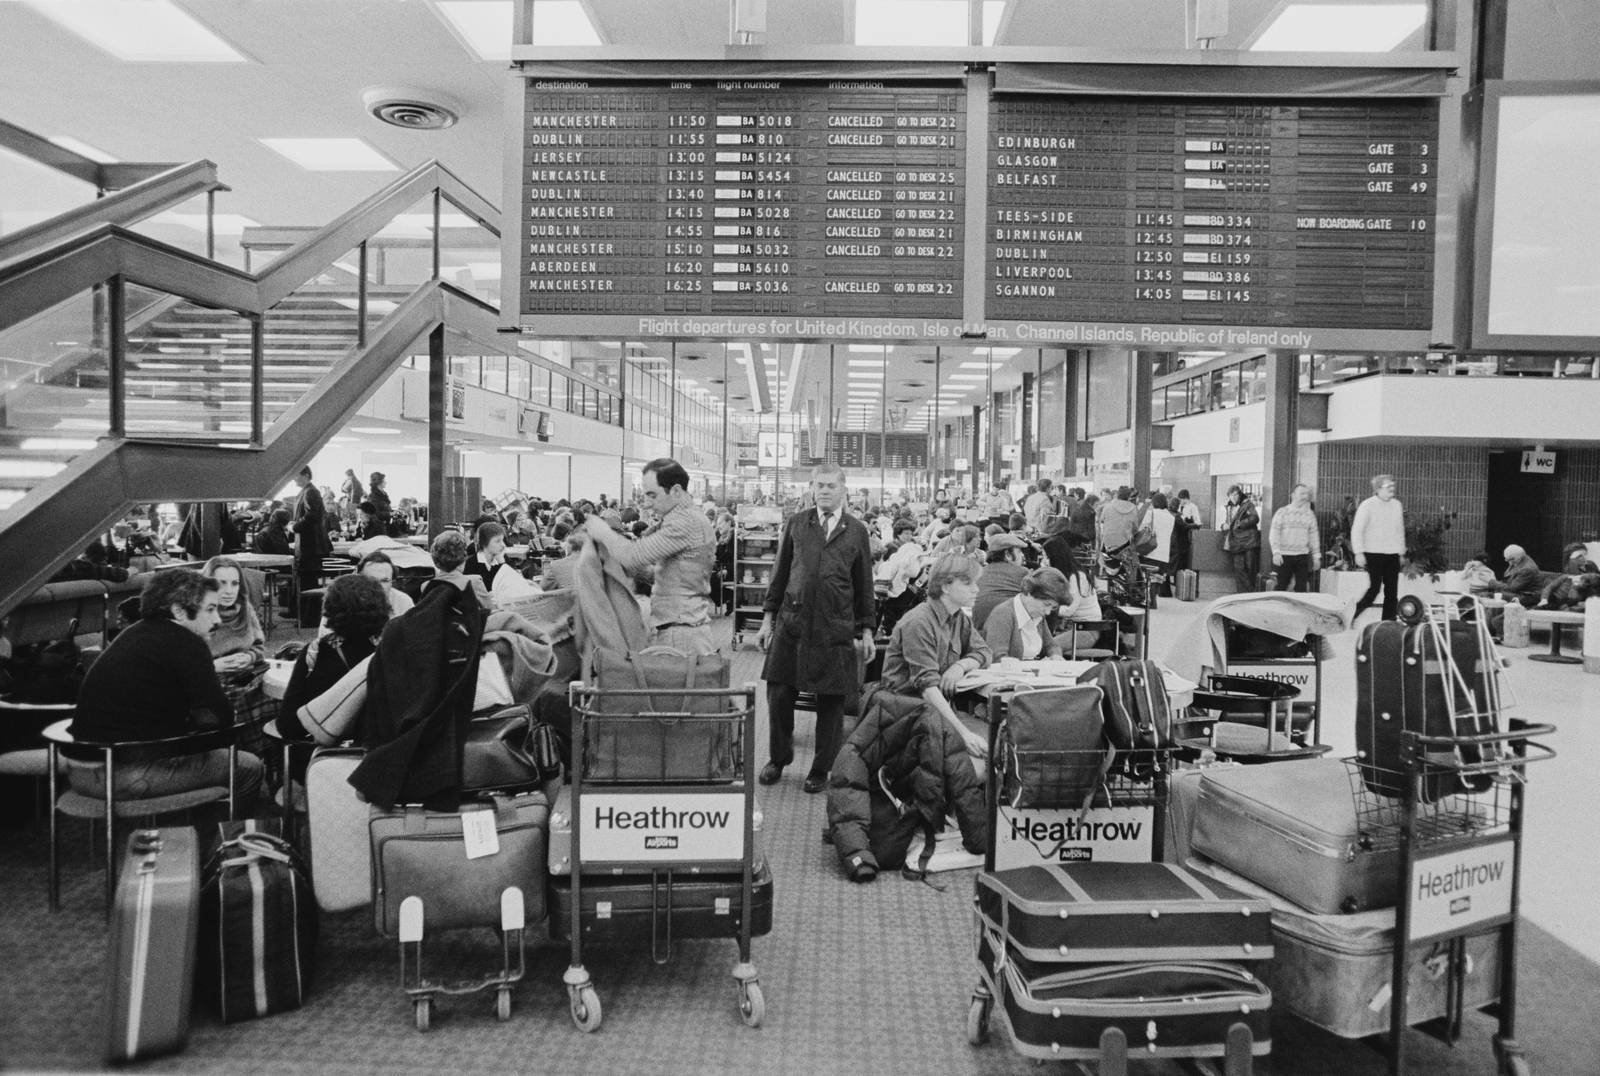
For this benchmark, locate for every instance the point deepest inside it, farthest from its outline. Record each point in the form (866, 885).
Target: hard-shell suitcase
(1188, 1008)
(689, 906)
(154, 925)
(417, 852)
(1336, 971)
(1109, 912)
(258, 926)
(1292, 828)
(341, 856)
(1431, 678)
(1187, 587)
(560, 852)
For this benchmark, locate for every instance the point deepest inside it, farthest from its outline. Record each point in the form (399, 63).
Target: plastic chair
(62, 745)
(25, 722)
(1092, 653)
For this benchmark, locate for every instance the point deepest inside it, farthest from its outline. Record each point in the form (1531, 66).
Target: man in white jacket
(1378, 539)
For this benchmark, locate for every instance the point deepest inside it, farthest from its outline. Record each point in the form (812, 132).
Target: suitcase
(154, 924)
(1291, 827)
(416, 852)
(259, 926)
(341, 856)
(560, 852)
(1164, 1009)
(1430, 678)
(1336, 971)
(1108, 912)
(1187, 586)
(631, 907)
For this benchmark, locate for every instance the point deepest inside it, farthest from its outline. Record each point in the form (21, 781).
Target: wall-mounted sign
(775, 448)
(1536, 462)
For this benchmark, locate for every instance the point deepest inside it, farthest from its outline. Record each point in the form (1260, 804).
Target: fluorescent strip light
(558, 453)
(869, 349)
(142, 31)
(29, 468)
(969, 377)
(906, 23)
(331, 154)
(380, 431)
(9, 497)
(57, 444)
(1341, 28)
(222, 224)
(485, 26)
(864, 364)
(83, 149)
(518, 448)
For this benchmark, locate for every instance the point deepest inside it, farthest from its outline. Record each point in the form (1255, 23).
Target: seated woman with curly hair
(356, 608)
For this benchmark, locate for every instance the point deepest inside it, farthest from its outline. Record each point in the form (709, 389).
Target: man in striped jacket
(1296, 541)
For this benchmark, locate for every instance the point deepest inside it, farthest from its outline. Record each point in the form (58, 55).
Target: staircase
(128, 369)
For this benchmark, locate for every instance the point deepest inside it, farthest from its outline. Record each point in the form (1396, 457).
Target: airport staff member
(683, 550)
(817, 623)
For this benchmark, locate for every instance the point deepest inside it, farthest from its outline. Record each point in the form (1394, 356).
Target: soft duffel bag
(258, 927)
(641, 730)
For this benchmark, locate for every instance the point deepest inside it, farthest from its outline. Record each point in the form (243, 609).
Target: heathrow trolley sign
(666, 827)
(1461, 889)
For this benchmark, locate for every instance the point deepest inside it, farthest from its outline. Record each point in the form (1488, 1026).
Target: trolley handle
(1416, 745)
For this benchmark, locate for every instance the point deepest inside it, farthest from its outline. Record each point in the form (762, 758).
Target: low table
(1555, 619)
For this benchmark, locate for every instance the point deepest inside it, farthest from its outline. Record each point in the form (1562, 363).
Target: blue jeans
(168, 776)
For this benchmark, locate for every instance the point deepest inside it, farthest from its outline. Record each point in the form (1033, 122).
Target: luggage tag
(479, 833)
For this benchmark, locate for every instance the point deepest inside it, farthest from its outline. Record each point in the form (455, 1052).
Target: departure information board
(746, 207)
(1226, 212)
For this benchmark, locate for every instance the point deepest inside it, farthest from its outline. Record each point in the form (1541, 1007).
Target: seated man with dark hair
(92, 563)
(156, 681)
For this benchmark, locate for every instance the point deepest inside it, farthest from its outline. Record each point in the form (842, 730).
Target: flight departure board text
(1218, 212)
(678, 207)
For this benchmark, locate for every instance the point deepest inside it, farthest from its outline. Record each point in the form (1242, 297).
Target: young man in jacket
(817, 623)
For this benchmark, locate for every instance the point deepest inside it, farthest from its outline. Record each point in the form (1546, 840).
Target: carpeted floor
(857, 979)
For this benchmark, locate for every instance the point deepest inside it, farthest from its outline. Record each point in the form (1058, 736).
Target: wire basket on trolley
(677, 736)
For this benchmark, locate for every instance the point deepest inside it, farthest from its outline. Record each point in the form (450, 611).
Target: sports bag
(508, 749)
(1145, 541)
(258, 927)
(1053, 750)
(1138, 720)
(662, 735)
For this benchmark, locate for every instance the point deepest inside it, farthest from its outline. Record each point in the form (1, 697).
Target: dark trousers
(1383, 570)
(1295, 574)
(780, 727)
(1246, 566)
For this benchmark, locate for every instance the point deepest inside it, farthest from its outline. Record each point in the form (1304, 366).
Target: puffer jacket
(902, 751)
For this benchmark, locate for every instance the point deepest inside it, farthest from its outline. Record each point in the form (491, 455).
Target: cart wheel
(422, 1013)
(978, 1021)
(1411, 610)
(752, 1006)
(502, 1004)
(586, 1009)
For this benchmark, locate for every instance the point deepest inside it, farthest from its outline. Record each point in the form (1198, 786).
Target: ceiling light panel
(83, 149)
(910, 23)
(1341, 28)
(331, 154)
(485, 26)
(140, 31)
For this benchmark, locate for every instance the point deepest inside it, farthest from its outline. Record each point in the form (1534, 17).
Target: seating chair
(22, 726)
(63, 746)
(1092, 653)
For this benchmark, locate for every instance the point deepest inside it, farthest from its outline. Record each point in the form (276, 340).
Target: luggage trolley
(662, 786)
(1213, 1008)
(1455, 812)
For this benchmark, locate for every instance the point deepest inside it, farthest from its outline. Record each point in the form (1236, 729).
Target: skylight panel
(331, 154)
(1341, 28)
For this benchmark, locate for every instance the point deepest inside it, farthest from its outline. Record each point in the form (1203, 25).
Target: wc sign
(1536, 462)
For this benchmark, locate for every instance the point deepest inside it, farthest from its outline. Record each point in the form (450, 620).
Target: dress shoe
(770, 773)
(814, 783)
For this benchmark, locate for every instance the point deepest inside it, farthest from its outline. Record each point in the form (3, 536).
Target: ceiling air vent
(414, 110)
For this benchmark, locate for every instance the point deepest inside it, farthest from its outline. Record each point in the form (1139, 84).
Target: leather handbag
(1145, 541)
(660, 735)
(416, 852)
(508, 749)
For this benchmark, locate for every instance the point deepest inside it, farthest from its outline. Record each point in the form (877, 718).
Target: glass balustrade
(187, 371)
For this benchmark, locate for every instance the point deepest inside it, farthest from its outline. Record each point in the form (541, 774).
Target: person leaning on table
(156, 681)
(1020, 627)
(936, 645)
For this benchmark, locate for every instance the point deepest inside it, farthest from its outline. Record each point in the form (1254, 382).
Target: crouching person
(909, 762)
(156, 681)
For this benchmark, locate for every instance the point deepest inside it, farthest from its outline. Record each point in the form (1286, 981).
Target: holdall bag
(1168, 1009)
(508, 750)
(626, 743)
(1432, 678)
(1145, 541)
(258, 927)
(154, 926)
(1137, 715)
(416, 852)
(1054, 746)
(337, 818)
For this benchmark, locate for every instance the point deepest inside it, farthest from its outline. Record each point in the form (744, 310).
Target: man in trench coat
(818, 623)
